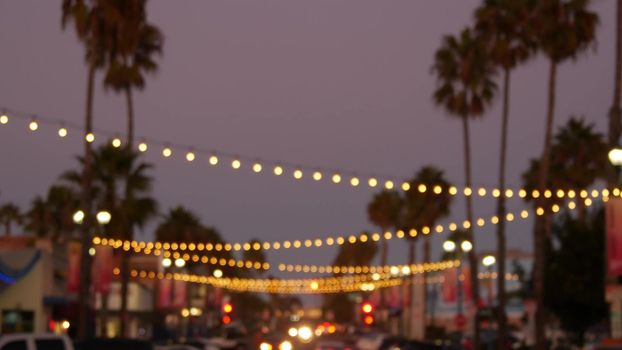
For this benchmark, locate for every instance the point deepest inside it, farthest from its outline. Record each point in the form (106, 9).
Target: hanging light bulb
(336, 178)
(62, 132)
(90, 137)
(213, 160)
(142, 147)
(33, 126)
(317, 176)
(235, 164)
(167, 152)
(354, 181)
(257, 167)
(190, 156)
(4, 119)
(278, 170)
(116, 142)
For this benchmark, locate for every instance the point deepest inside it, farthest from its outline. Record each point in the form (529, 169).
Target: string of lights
(159, 247)
(284, 169)
(405, 269)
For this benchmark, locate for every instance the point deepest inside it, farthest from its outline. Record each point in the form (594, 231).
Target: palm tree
(91, 28)
(615, 113)
(504, 25)
(465, 77)
(424, 210)
(9, 214)
(52, 216)
(384, 211)
(565, 29)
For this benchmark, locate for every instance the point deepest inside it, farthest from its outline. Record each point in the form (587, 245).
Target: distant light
(235, 164)
(466, 246)
(92, 251)
(388, 185)
(65, 324)
(317, 176)
(285, 345)
(142, 147)
(314, 285)
(293, 332)
(90, 137)
(4, 119)
(278, 170)
(354, 181)
(489, 260)
(449, 246)
(257, 167)
(62, 132)
(217, 273)
(213, 160)
(167, 152)
(305, 333)
(179, 262)
(78, 217)
(103, 217)
(166, 262)
(372, 182)
(336, 178)
(33, 126)
(297, 174)
(615, 156)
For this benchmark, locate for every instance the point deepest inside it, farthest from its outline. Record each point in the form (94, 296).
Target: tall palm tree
(565, 29)
(91, 27)
(384, 211)
(424, 210)
(9, 214)
(465, 88)
(504, 25)
(615, 113)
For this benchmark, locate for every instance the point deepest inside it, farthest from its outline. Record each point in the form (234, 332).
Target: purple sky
(343, 84)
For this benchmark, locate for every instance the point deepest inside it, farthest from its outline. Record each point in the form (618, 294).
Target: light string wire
(280, 168)
(163, 247)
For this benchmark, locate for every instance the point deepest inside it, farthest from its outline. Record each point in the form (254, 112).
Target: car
(276, 341)
(29, 341)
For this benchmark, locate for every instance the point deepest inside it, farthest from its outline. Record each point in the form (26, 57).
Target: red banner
(449, 288)
(613, 219)
(102, 269)
(172, 294)
(73, 266)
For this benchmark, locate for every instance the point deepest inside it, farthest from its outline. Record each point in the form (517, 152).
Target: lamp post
(489, 261)
(615, 157)
(465, 246)
(103, 218)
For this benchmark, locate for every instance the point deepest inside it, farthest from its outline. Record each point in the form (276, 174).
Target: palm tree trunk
(540, 229)
(469, 210)
(125, 256)
(84, 298)
(615, 124)
(501, 320)
(412, 254)
(426, 258)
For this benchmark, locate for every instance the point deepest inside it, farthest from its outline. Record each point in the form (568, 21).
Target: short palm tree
(506, 29)
(9, 214)
(565, 29)
(424, 209)
(384, 211)
(465, 72)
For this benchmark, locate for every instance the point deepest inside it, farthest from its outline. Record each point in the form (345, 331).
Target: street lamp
(615, 156)
(166, 262)
(450, 246)
(103, 217)
(489, 261)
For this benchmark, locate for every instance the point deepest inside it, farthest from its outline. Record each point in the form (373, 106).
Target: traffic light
(227, 309)
(367, 313)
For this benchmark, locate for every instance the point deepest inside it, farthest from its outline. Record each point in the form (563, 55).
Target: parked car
(29, 341)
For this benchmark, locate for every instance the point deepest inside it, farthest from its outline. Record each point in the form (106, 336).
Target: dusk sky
(336, 84)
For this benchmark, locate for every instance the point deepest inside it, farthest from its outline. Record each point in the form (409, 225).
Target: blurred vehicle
(370, 341)
(29, 341)
(332, 345)
(113, 343)
(231, 337)
(275, 341)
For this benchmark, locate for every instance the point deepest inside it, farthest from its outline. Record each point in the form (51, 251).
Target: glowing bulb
(235, 164)
(509, 217)
(317, 176)
(405, 186)
(388, 184)
(437, 189)
(372, 182)
(4, 119)
(116, 142)
(62, 132)
(278, 170)
(509, 193)
(190, 156)
(453, 190)
(33, 126)
(336, 178)
(466, 246)
(421, 188)
(142, 147)
(354, 181)
(468, 191)
(522, 193)
(481, 192)
(213, 160)
(257, 167)
(217, 273)
(297, 174)
(496, 193)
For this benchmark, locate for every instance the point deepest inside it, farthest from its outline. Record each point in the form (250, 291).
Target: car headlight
(286, 345)
(265, 346)
(305, 333)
